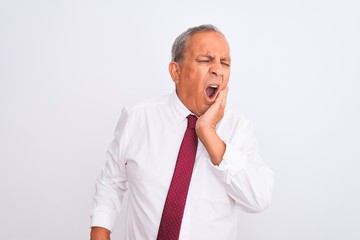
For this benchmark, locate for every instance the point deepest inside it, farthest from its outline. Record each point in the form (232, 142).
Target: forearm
(248, 179)
(212, 143)
(107, 200)
(99, 233)
(110, 188)
(252, 188)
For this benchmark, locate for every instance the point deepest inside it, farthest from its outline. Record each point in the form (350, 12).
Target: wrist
(99, 233)
(205, 133)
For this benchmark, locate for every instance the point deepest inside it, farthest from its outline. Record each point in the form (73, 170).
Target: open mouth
(211, 90)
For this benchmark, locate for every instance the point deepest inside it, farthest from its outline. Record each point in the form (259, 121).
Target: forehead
(208, 43)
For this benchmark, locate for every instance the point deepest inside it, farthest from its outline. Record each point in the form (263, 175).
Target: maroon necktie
(175, 201)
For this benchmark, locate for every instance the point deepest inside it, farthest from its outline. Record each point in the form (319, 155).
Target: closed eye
(203, 60)
(226, 64)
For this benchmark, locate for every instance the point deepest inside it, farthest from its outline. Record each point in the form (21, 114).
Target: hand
(99, 233)
(215, 113)
(205, 128)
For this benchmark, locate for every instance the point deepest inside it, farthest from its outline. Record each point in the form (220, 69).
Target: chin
(203, 110)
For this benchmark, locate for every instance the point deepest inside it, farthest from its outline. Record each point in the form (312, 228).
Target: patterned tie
(175, 201)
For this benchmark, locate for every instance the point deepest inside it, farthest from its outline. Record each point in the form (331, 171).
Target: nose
(216, 69)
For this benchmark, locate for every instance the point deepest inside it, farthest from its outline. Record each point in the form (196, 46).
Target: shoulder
(234, 117)
(236, 129)
(147, 104)
(140, 112)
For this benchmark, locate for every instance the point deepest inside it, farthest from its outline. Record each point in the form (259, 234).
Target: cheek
(227, 78)
(196, 89)
(195, 82)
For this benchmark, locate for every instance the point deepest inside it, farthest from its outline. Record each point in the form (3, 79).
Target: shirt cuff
(233, 161)
(103, 217)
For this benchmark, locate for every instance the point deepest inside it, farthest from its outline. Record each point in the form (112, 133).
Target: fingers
(218, 108)
(215, 112)
(222, 97)
(224, 93)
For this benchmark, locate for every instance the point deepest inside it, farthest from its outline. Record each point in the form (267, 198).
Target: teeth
(214, 86)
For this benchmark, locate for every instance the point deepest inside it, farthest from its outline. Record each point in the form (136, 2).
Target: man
(228, 172)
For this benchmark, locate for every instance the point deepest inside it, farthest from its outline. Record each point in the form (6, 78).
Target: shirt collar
(179, 109)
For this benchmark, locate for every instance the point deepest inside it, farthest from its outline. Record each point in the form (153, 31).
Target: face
(204, 72)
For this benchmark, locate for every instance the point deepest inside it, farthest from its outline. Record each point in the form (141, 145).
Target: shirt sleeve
(248, 179)
(111, 185)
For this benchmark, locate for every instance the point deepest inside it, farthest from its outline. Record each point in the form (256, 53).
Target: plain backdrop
(68, 67)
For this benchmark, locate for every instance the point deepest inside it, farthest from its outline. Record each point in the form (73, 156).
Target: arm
(111, 185)
(237, 163)
(247, 178)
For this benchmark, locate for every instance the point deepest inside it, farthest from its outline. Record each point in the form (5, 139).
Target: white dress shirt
(141, 159)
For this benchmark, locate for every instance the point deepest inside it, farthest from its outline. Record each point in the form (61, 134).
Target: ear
(174, 70)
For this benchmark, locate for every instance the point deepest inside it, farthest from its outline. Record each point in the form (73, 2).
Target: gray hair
(180, 43)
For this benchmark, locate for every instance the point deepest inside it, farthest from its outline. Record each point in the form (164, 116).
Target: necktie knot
(191, 121)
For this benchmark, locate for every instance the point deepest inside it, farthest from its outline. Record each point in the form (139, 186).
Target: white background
(68, 67)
